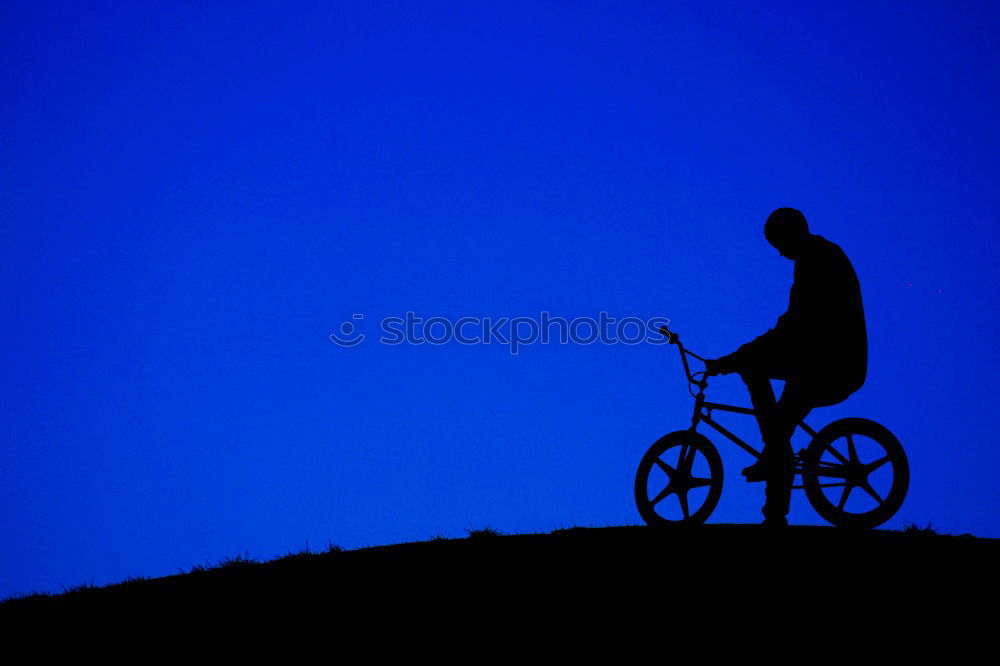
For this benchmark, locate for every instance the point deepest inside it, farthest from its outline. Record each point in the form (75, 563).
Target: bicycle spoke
(683, 497)
(685, 459)
(843, 498)
(836, 453)
(871, 467)
(832, 485)
(667, 469)
(689, 460)
(699, 483)
(663, 493)
(871, 491)
(851, 451)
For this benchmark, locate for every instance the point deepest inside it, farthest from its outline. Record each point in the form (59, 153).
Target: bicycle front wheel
(855, 473)
(679, 480)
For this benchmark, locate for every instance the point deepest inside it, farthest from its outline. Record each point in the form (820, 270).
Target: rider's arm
(774, 341)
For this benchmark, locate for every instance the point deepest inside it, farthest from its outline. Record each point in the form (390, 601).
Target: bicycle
(695, 479)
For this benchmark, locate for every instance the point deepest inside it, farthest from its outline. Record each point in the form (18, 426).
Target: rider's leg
(789, 411)
(762, 398)
(777, 421)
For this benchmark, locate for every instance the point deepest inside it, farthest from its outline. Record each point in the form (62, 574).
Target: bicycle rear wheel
(679, 480)
(855, 473)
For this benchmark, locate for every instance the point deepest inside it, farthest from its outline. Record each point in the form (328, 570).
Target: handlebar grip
(670, 335)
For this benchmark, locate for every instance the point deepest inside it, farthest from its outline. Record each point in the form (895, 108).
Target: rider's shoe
(756, 471)
(775, 522)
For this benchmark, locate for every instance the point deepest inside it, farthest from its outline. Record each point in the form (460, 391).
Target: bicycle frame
(703, 408)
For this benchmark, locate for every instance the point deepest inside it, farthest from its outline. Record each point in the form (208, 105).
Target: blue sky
(194, 196)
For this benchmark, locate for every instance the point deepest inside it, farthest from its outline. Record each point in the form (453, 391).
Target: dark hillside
(485, 573)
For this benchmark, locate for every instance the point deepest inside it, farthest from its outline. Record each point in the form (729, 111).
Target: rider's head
(786, 230)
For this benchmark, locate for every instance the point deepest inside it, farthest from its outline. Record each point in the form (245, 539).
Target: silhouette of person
(819, 347)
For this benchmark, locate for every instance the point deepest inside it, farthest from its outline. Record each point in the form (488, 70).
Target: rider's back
(834, 339)
(823, 332)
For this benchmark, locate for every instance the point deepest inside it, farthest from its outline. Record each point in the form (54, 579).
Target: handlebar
(673, 338)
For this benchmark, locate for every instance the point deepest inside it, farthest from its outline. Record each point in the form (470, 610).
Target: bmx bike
(854, 471)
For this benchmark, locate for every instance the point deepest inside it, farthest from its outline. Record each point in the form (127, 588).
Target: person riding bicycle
(819, 347)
